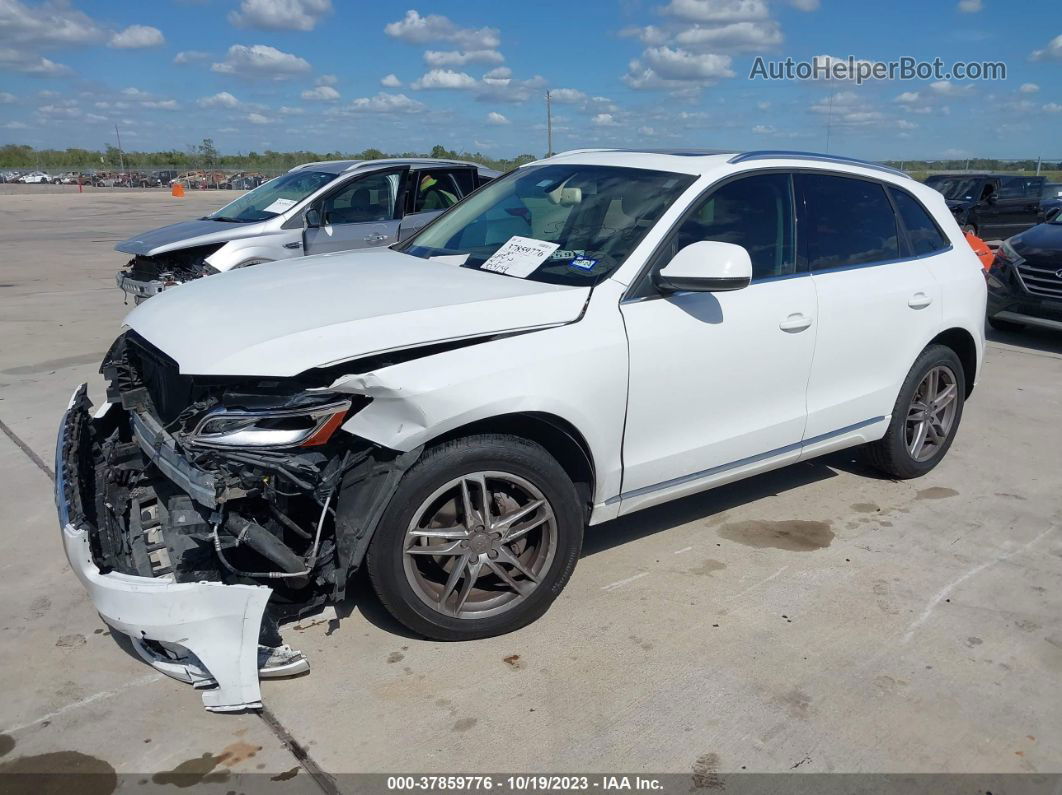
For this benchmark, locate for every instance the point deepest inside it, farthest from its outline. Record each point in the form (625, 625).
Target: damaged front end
(145, 276)
(203, 513)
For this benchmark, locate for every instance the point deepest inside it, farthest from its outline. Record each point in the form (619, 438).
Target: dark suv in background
(991, 205)
(1025, 282)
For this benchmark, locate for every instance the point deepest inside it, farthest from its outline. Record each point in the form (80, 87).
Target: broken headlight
(276, 428)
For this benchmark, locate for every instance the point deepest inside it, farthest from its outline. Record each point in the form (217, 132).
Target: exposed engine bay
(145, 276)
(231, 481)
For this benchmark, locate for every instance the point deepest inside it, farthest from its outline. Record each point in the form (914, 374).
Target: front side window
(365, 199)
(849, 221)
(754, 212)
(435, 190)
(274, 197)
(924, 235)
(588, 218)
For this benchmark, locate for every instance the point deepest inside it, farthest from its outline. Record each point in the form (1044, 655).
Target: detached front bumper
(140, 291)
(217, 623)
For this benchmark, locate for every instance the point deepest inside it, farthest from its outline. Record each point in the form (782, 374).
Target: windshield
(1052, 190)
(563, 224)
(273, 197)
(957, 188)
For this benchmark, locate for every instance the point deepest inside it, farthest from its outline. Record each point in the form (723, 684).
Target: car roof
(342, 166)
(690, 160)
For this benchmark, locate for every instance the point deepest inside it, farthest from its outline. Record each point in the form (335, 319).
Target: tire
(892, 453)
(409, 585)
(1005, 325)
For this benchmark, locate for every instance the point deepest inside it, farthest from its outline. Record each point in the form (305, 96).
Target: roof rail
(775, 154)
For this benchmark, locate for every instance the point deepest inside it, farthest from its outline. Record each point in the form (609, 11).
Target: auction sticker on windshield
(279, 206)
(519, 256)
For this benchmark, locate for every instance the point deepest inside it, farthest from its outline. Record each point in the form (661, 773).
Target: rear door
(431, 191)
(1017, 205)
(878, 302)
(362, 212)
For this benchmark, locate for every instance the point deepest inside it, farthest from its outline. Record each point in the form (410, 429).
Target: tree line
(206, 156)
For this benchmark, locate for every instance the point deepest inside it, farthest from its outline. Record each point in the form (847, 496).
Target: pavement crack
(324, 780)
(25, 448)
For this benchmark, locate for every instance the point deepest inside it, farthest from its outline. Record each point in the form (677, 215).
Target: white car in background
(34, 178)
(588, 336)
(333, 205)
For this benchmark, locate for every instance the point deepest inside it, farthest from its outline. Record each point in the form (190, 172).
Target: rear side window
(925, 236)
(849, 222)
(465, 180)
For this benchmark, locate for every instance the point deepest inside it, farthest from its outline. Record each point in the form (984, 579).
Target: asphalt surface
(819, 618)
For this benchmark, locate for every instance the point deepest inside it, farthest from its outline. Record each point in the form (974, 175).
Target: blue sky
(341, 75)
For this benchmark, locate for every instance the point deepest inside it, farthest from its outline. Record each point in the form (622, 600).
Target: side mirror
(312, 218)
(991, 198)
(1052, 214)
(706, 266)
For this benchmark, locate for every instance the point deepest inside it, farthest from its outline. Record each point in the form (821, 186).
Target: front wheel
(925, 417)
(480, 537)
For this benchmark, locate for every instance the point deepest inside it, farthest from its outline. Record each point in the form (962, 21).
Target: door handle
(295, 244)
(795, 322)
(375, 238)
(919, 301)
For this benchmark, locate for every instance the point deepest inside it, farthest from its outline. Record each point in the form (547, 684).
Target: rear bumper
(219, 624)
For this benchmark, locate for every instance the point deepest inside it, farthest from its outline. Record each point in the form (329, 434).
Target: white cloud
(18, 61)
(903, 124)
(137, 37)
(51, 23)
(287, 110)
(258, 118)
(321, 94)
(222, 99)
(567, 95)
(461, 57)
(261, 61)
(6, 98)
(763, 129)
(734, 37)
(650, 35)
(604, 120)
(190, 56)
(415, 29)
(501, 76)
(1029, 88)
(1052, 52)
(386, 103)
(326, 80)
(496, 118)
(805, 5)
(390, 81)
(944, 88)
(717, 10)
(160, 104)
(280, 15)
(970, 6)
(1052, 107)
(135, 93)
(646, 131)
(443, 79)
(667, 67)
(16, 125)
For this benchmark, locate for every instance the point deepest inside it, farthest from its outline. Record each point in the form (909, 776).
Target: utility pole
(1038, 159)
(549, 126)
(121, 157)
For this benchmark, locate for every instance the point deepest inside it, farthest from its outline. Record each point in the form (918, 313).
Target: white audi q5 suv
(583, 338)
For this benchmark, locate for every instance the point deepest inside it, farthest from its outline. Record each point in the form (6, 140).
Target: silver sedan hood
(185, 235)
(279, 319)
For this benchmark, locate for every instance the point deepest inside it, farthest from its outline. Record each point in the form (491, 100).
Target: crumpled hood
(185, 235)
(279, 319)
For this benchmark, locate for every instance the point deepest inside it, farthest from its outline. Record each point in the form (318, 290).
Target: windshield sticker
(583, 264)
(279, 206)
(563, 254)
(519, 257)
(450, 259)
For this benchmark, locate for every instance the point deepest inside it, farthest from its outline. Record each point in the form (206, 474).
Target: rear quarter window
(848, 222)
(923, 233)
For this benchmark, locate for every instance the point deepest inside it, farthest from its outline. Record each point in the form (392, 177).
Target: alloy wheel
(931, 415)
(479, 545)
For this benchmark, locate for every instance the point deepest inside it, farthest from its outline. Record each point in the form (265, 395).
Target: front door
(361, 213)
(431, 192)
(718, 380)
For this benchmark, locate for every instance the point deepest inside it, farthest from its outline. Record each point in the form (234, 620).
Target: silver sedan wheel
(480, 545)
(931, 415)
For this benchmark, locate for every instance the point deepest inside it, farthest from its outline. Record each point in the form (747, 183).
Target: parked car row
(1025, 275)
(582, 338)
(196, 180)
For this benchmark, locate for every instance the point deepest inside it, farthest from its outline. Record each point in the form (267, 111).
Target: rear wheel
(925, 417)
(1005, 325)
(479, 539)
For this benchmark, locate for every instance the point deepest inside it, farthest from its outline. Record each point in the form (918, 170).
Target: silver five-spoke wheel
(479, 545)
(931, 415)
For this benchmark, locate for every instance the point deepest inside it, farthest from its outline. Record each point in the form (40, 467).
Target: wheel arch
(962, 342)
(556, 435)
